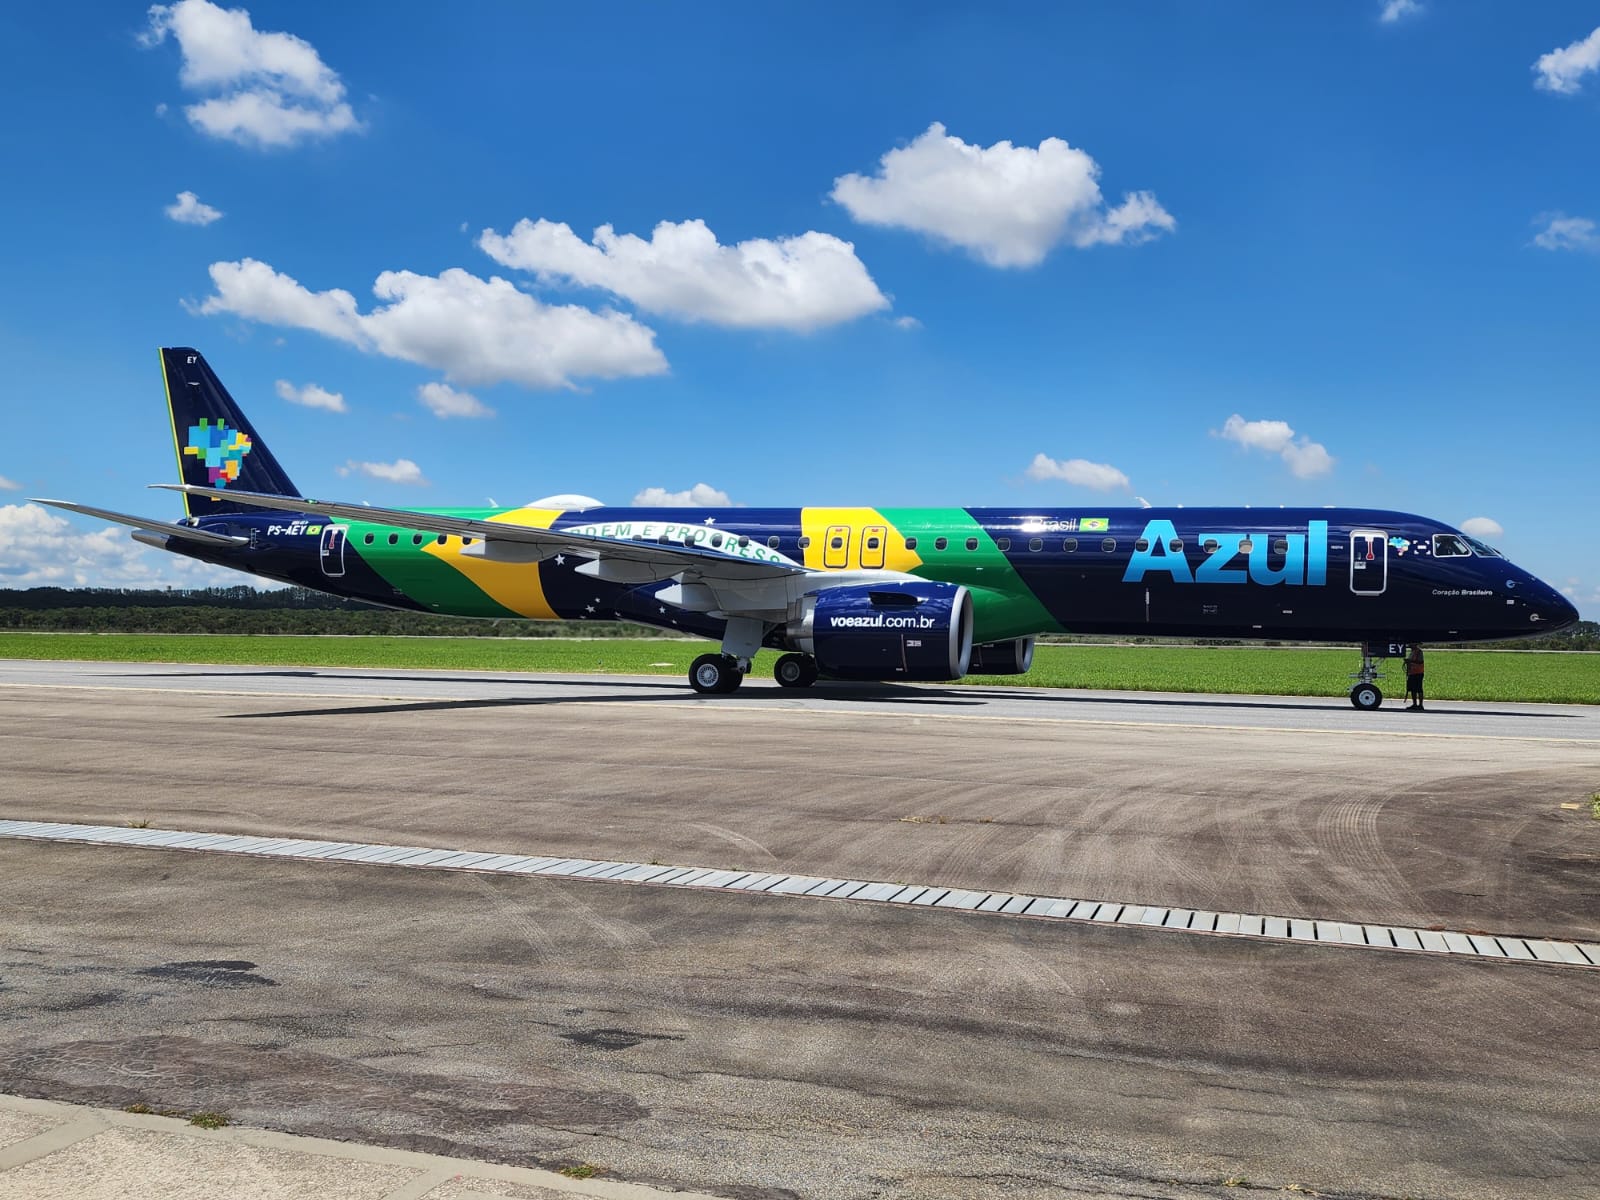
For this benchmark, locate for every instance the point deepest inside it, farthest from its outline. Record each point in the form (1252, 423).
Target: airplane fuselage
(1336, 575)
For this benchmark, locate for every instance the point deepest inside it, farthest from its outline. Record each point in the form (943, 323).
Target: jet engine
(914, 630)
(1014, 657)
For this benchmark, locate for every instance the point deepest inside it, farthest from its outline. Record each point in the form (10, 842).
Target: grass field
(1275, 671)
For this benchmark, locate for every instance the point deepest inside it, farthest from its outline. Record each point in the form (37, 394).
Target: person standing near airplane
(1414, 677)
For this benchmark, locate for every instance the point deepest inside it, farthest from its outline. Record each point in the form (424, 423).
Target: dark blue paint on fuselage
(1399, 595)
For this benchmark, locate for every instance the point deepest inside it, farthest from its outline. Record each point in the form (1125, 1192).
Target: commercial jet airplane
(849, 593)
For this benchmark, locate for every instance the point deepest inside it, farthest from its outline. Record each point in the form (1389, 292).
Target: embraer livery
(849, 593)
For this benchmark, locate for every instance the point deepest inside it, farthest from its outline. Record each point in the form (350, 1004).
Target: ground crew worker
(1414, 677)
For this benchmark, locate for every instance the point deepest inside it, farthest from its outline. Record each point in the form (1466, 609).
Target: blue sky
(1254, 253)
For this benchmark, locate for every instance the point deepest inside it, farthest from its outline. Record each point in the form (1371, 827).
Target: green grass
(1572, 678)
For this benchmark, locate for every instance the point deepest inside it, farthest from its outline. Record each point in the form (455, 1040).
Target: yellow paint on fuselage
(816, 522)
(516, 586)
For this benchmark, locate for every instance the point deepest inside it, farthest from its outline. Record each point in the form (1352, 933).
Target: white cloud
(8, 485)
(907, 323)
(1394, 10)
(444, 401)
(188, 209)
(312, 396)
(40, 549)
(1007, 205)
(475, 330)
(402, 470)
(701, 495)
(799, 283)
(1562, 70)
(1562, 232)
(1100, 477)
(1486, 528)
(1307, 459)
(273, 89)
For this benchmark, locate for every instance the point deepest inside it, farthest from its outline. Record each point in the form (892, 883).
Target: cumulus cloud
(1307, 459)
(798, 283)
(402, 470)
(8, 485)
(270, 89)
(311, 396)
(444, 401)
(1486, 528)
(701, 495)
(188, 209)
(1007, 205)
(475, 330)
(1395, 10)
(40, 549)
(1562, 70)
(1562, 232)
(1100, 477)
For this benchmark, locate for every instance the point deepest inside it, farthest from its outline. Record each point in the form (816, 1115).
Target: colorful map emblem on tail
(220, 449)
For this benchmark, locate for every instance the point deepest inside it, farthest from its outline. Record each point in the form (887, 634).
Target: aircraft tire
(1366, 697)
(714, 675)
(795, 671)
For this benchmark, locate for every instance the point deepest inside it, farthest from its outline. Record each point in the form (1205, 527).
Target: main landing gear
(1365, 695)
(795, 671)
(719, 674)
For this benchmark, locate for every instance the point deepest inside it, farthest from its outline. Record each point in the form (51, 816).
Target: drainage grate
(1051, 908)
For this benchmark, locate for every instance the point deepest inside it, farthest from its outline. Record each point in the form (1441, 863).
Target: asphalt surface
(761, 1046)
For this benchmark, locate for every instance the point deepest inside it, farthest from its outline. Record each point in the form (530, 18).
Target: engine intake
(886, 630)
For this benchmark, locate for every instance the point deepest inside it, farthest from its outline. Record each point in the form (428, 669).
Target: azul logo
(1304, 558)
(219, 449)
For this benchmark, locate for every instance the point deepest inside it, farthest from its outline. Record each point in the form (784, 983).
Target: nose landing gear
(1366, 695)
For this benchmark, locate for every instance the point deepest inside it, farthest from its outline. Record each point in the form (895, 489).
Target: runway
(790, 1047)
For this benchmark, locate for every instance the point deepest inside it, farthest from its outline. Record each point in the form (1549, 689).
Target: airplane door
(1369, 562)
(333, 550)
(836, 548)
(873, 540)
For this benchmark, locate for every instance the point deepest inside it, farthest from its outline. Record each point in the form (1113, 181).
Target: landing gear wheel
(715, 674)
(1366, 696)
(795, 671)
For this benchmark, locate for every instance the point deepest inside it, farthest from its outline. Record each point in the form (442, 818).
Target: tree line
(246, 609)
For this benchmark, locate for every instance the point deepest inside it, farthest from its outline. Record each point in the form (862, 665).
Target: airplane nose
(1562, 612)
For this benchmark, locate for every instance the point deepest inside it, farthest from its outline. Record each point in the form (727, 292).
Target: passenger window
(972, 543)
(1003, 543)
(1176, 545)
(1142, 545)
(368, 539)
(1209, 545)
(772, 542)
(1448, 545)
(1280, 546)
(716, 541)
(1070, 545)
(872, 542)
(940, 543)
(1035, 544)
(1246, 546)
(837, 543)
(443, 539)
(467, 541)
(743, 540)
(416, 539)
(911, 543)
(1109, 545)
(805, 542)
(394, 539)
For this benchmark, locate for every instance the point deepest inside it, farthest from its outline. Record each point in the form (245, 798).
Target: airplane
(855, 593)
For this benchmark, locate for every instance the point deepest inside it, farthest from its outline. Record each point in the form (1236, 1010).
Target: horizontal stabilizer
(705, 563)
(184, 532)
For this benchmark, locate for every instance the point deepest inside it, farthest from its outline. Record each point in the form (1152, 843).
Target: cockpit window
(1448, 545)
(1483, 548)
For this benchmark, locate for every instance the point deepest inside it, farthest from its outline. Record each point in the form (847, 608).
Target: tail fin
(217, 447)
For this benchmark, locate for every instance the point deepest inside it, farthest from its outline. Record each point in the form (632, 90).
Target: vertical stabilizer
(217, 446)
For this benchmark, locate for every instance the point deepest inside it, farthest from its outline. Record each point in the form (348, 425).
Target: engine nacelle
(886, 631)
(1014, 657)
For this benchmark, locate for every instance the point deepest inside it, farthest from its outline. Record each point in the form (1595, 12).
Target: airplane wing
(184, 532)
(656, 557)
